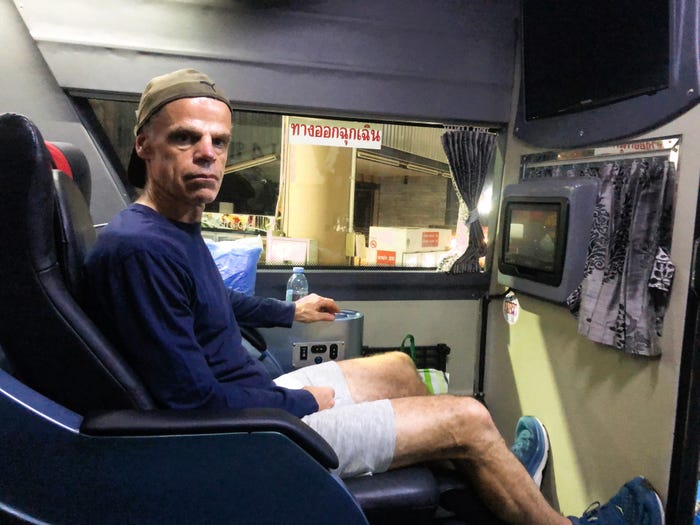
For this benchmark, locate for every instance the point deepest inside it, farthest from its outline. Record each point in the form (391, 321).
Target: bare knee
(473, 425)
(467, 412)
(405, 373)
(402, 361)
(399, 374)
(443, 427)
(389, 375)
(477, 414)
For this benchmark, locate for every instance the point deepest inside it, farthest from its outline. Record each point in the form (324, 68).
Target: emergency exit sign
(321, 132)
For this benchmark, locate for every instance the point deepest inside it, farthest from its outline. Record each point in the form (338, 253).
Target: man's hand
(324, 395)
(315, 308)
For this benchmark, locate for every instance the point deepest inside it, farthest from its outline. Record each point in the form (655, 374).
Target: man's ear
(142, 146)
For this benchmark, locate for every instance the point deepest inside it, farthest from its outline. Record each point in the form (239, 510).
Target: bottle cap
(298, 269)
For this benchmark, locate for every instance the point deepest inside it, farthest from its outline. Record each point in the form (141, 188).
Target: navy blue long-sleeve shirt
(154, 289)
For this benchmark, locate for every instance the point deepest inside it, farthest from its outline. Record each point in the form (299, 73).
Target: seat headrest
(22, 152)
(71, 161)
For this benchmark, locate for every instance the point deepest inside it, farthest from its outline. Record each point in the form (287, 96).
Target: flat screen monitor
(582, 55)
(535, 238)
(545, 226)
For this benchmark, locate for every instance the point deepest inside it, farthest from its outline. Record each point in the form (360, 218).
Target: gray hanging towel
(628, 275)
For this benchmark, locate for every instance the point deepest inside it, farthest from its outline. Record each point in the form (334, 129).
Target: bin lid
(348, 315)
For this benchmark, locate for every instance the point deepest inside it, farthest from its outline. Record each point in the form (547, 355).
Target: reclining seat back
(45, 228)
(74, 231)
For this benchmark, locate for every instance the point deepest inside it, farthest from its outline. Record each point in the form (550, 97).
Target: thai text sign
(345, 134)
(639, 146)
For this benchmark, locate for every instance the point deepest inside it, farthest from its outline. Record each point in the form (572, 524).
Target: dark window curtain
(469, 154)
(622, 299)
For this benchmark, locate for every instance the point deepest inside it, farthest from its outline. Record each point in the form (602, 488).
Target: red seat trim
(59, 160)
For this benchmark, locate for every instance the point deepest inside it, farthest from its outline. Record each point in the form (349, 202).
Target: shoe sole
(658, 501)
(661, 508)
(539, 471)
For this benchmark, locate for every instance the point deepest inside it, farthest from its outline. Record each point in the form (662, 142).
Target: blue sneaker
(636, 503)
(531, 446)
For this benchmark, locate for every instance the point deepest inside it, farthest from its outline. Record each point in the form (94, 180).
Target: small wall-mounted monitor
(534, 238)
(545, 229)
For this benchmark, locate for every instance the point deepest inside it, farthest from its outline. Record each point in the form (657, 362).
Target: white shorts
(363, 435)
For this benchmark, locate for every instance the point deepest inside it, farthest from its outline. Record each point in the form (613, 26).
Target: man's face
(185, 147)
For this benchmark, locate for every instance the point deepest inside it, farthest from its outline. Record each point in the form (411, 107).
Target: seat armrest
(134, 422)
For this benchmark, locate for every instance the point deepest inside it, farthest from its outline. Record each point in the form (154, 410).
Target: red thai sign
(334, 133)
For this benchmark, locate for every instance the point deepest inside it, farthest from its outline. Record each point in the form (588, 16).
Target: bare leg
(450, 427)
(382, 376)
(461, 429)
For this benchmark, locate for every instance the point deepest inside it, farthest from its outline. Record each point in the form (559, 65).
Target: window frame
(378, 285)
(374, 283)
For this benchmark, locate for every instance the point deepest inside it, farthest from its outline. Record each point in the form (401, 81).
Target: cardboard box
(384, 238)
(290, 250)
(406, 259)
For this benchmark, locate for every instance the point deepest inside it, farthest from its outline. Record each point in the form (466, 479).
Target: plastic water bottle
(297, 285)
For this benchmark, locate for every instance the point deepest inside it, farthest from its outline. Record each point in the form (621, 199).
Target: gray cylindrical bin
(310, 343)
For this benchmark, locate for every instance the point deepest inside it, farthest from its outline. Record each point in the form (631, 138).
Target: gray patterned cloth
(623, 296)
(469, 153)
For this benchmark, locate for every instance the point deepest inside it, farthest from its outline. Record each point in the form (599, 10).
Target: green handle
(411, 348)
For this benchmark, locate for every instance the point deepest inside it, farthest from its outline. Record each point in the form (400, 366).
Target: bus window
(327, 193)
